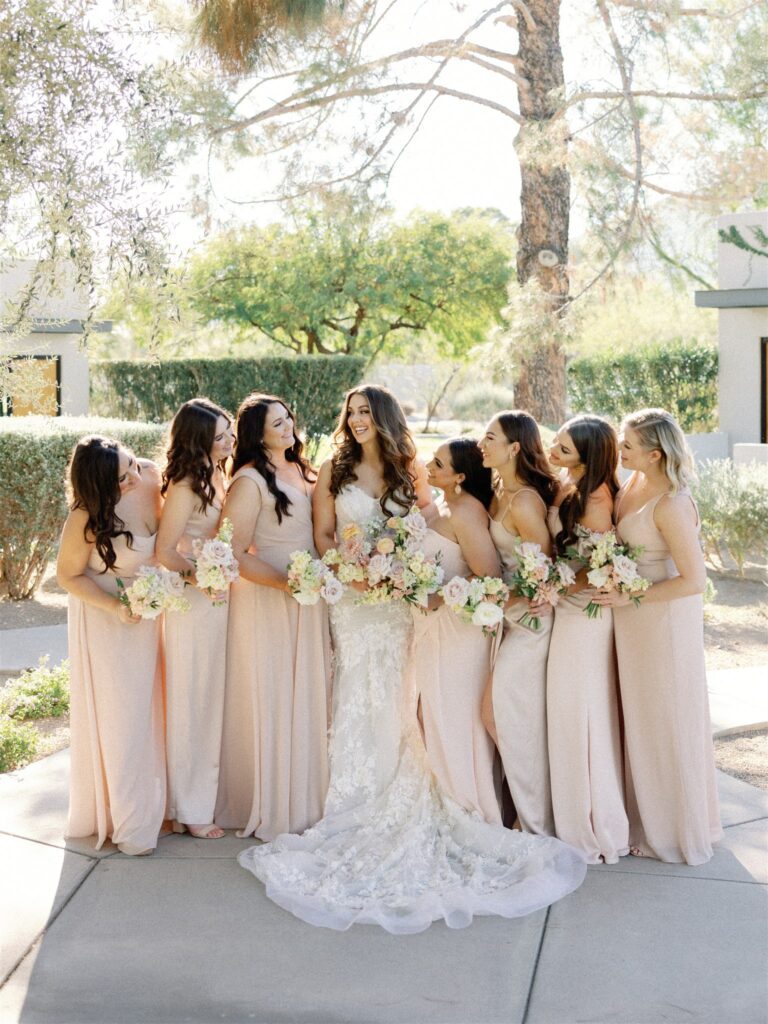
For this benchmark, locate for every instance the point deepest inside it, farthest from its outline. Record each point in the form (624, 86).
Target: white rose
(332, 590)
(302, 597)
(598, 577)
(625, 569)
(487, 614)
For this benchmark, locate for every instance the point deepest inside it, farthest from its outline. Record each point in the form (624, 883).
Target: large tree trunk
(545, 203)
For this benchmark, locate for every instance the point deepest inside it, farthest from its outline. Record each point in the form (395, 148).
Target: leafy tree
(343, 281)
(666, 105)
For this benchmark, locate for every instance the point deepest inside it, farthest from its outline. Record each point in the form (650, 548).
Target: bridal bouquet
(389, 559)
(309, 579)
(612, 566)
(215, 563)
(153, 591)
(479, 601)
(539, 578)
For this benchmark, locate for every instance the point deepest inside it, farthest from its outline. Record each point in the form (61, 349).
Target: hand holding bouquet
(538, 578)
(309, 579)
(612, 567)
(153, 591)
(215, 563)
(479, 601)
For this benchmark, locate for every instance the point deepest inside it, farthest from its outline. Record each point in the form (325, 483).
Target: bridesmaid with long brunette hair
(117, 781)
(585, 759)
(515, 702)
(451, 659)
(195, 643)
(274, 771)
(670, 770)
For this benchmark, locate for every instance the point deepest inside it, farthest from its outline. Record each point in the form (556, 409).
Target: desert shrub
(40, 692)
(481, 401)
(733, 505)
(141, 390)
(18, 744)
(34, 453)
(681, 377)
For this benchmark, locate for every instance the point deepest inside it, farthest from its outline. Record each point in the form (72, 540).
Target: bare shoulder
(529, 502)
(602, 497)
(324, 473)
(75, 528)
(471, 513)
(675, 510)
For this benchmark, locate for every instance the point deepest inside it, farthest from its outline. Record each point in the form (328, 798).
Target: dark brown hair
(598, 449)
(251, 450)
(94, 470)
(531, 463)
(467, 458)
(188, 456)
(398, 451)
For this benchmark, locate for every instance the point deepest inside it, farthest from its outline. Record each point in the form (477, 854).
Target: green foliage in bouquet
(34, 454)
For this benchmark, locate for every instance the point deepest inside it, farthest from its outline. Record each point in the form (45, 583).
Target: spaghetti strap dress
(519, 695)
(670, 770)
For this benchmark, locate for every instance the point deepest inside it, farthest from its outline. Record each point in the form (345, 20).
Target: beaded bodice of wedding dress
(392, 849)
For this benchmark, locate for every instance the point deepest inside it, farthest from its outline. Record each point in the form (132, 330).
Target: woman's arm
(74, 552)
(527, 516)
(180, 502)
(324, 511)
(471, 528)
(242, 508)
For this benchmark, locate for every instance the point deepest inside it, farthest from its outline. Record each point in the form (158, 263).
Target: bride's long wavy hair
(396, 446)
(250, 449)
(94, 487)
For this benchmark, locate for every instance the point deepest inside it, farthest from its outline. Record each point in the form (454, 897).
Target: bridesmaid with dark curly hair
(274, 765)
(117, 778)
(195, 642)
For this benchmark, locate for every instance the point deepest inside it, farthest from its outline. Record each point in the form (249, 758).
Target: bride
(392, 849)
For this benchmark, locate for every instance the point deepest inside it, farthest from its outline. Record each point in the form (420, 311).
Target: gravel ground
(745, 756)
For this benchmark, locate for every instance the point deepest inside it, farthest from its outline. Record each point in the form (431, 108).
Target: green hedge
(681, 377)
(34, 453)
(140, 390)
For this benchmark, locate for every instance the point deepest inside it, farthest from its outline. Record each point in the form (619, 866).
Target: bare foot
(206, 831)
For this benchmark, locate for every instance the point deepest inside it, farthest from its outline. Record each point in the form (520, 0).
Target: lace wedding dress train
(392, 849)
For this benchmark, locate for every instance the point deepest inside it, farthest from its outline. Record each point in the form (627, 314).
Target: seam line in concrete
(687, 878)
(749, 821)
(527, 1006)
(54, 917)
(51, 846)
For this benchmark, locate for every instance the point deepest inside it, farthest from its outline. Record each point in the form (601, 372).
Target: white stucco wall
(739, 372)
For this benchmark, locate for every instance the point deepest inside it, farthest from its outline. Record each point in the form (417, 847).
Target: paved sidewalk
(92, 937)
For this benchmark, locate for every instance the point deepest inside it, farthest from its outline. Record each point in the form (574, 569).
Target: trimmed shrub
(34, 453)
(681, 378)
(140, 390)
(40, 692)
(18, 744)
(733, 505)
(481, 401)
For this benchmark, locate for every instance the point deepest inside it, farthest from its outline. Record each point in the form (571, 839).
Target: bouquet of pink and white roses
(479, 601)
(389, 559)
(154, 590)
(539, 578)
(215, 563)
(612, 566)
(310, 579)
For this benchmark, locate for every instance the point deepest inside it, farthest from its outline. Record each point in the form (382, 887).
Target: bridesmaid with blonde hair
(514, 708)
(585, 761)
(274, 764)
(117, 778)
(670, 770)
(195, 642)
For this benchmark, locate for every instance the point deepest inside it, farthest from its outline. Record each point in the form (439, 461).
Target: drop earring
(457, 490)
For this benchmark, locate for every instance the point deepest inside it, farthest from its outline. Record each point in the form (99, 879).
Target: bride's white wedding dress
(392, 849)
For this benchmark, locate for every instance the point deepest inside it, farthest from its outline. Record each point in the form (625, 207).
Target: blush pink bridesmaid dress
(273, 773)
(670, 769)
(450, 662)
(117, 783)
(195, 654)
(585, 761)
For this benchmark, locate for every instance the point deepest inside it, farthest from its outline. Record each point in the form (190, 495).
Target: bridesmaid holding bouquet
(274, 762)
(670, 771)
(195, 643)
(117, 783)
(582, 696)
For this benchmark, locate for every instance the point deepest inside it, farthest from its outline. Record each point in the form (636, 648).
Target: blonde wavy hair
(659, 431)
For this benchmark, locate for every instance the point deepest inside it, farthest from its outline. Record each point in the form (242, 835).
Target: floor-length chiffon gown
(451, 663)
(393, 849)
(585, 758)
(519, 697)
(195, 660)
(670, 769)
(274, 763)
(117, 754)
